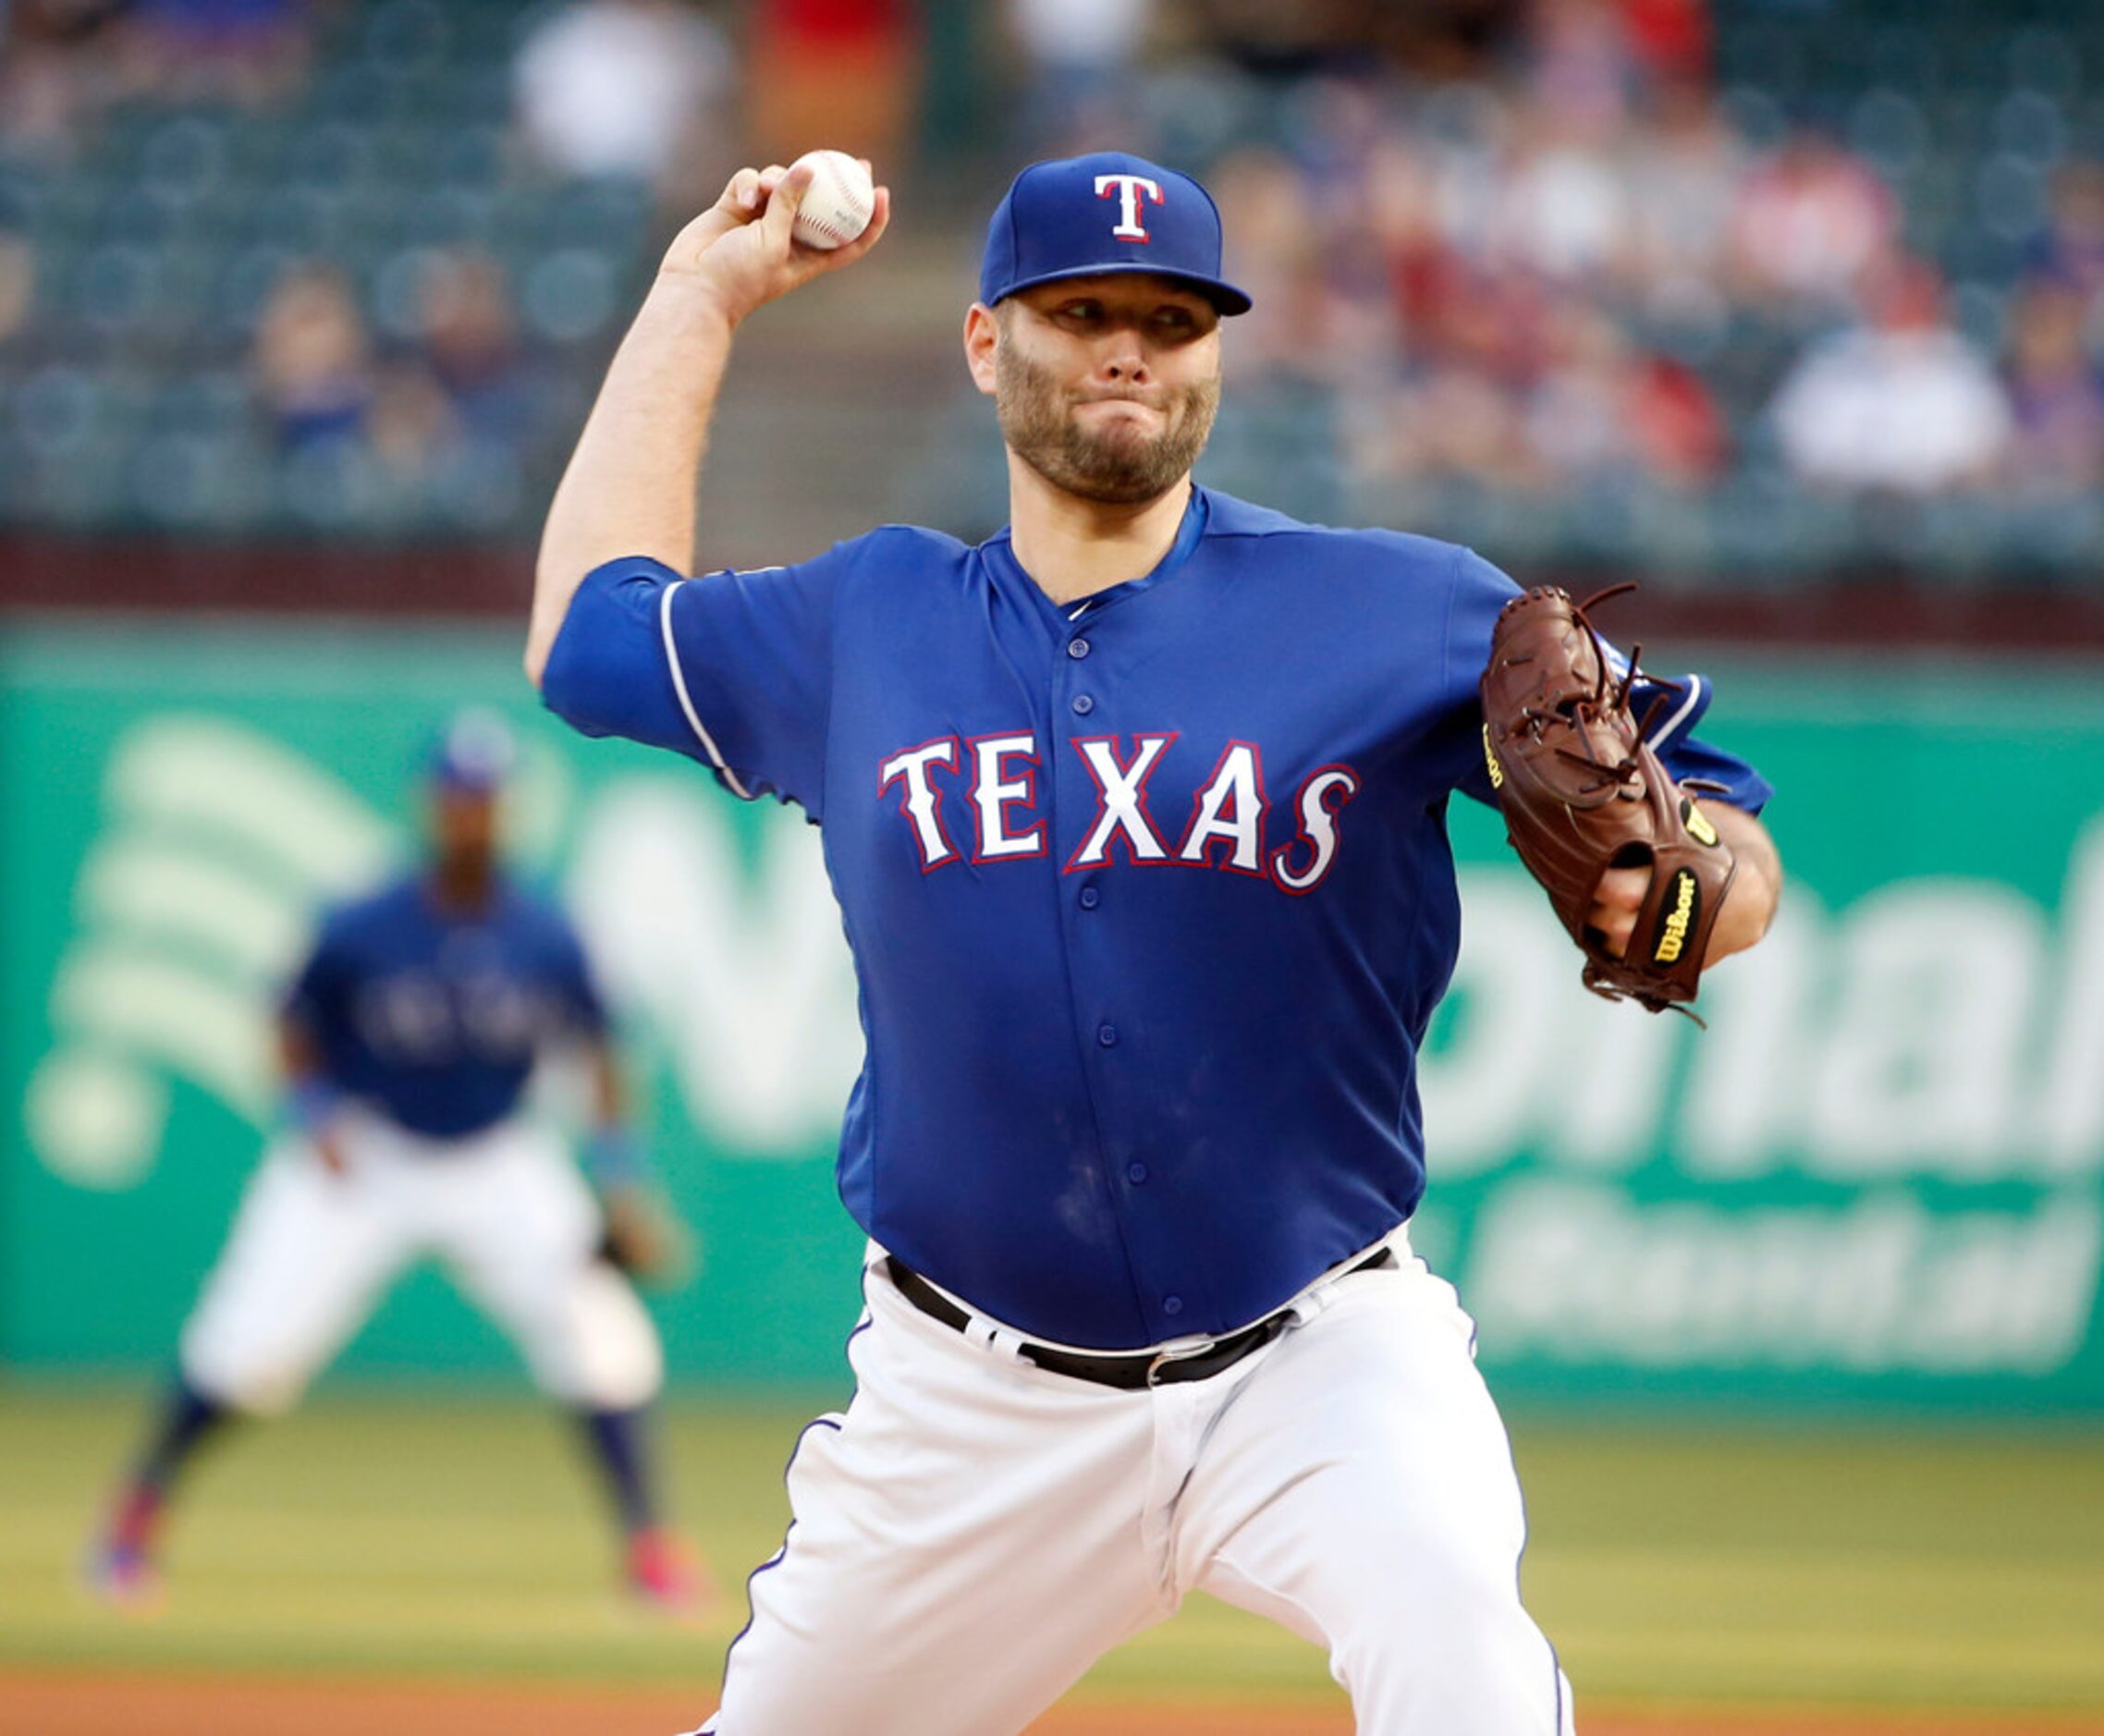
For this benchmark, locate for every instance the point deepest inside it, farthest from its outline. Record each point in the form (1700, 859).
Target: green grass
(1952, 1570)
(427, 1535)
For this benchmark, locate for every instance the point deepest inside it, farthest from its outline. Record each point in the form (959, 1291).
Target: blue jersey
(435, 1016)
(1150, 898)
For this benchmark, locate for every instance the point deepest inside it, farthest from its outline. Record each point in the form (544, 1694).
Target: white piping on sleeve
(1677, 721)
(686, 701)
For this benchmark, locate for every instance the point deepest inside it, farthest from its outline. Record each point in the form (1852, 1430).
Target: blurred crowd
(1535, 248)
(67, 62)
(1539, 249)
(400, 230)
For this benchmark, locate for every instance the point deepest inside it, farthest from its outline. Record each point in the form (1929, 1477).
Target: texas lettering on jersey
(996, 776)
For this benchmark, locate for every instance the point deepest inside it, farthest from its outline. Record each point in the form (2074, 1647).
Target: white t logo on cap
(1130, 188)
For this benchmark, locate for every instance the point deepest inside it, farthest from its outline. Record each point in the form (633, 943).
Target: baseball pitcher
(1136, 815)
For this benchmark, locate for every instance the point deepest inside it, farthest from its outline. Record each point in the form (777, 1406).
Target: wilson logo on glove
(1673, 938)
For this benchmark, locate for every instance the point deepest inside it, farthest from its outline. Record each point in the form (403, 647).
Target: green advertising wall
(1875, 1177)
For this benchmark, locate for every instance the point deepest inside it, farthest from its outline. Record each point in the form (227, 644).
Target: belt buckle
(1170, 1354)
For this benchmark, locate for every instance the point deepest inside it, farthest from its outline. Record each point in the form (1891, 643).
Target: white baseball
(839, 202)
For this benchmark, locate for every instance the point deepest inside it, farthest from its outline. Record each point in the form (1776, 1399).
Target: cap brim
(1222, 295)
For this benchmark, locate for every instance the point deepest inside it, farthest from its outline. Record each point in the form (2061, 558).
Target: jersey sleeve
(1669, 708)
(733, 670)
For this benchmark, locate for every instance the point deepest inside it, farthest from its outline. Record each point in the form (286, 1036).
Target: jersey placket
(1104, 759)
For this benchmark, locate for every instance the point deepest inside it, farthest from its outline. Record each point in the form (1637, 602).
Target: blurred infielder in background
(408, 1039)
(1136, 815)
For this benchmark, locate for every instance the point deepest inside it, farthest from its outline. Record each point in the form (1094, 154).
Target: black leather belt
(1129, 1370)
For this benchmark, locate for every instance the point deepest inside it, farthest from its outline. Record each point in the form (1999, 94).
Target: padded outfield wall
(1875, 1177)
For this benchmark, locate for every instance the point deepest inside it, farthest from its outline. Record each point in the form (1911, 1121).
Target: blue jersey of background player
(434, 1022)
(408, 1039)
(1136, 815)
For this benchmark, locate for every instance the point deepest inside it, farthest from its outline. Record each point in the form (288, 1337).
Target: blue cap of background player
(473, 752)
(1084, 216)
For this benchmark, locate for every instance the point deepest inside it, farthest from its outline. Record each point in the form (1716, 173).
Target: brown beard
(1123, 470)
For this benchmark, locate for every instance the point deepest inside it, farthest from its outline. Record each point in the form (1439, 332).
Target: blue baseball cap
(472, 753)
(1109, 212)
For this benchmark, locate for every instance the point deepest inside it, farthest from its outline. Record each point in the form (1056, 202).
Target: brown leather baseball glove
(1583, 793)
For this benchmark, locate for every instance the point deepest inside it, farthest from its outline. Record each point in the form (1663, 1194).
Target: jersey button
(1091, 898)
(1106, 1036)
(1136, 1174)
(1077, 647)
(1083, 704)
(1172, 1305)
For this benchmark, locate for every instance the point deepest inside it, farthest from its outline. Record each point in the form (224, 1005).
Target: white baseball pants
(973, 1531)
(312, 1252)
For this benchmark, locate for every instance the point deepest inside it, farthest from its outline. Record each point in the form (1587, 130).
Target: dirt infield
(59, 1705)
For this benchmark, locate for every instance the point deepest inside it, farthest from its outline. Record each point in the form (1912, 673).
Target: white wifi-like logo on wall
(191, 909)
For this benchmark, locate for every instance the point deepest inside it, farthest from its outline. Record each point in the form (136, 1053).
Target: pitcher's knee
(1460, 1657)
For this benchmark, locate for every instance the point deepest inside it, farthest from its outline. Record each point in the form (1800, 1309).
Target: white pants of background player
(974, 1532)
(312, 1252)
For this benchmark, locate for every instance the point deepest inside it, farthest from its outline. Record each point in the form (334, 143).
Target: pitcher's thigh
(951, 1567)
(1361, 1491)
